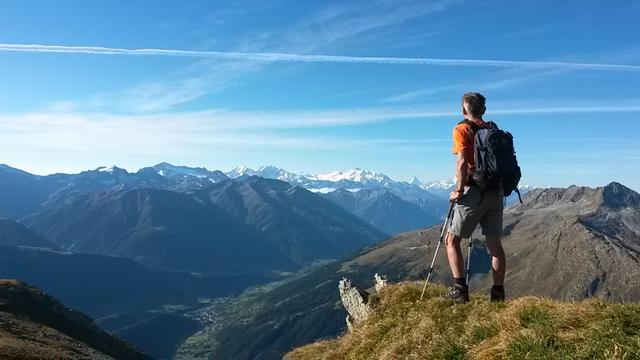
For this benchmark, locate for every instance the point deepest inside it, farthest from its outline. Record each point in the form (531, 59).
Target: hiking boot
(459, 294)
(497, 294)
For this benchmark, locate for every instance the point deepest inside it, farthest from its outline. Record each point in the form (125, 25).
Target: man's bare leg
(454, 253)
(498, 260)
(460, 292)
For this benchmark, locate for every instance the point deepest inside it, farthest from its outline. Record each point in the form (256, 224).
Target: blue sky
(71, 111)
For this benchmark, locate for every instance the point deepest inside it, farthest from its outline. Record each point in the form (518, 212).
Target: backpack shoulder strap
(474, 127)
(492, 125)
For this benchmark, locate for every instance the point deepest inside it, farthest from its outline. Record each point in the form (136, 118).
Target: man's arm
(462, 167)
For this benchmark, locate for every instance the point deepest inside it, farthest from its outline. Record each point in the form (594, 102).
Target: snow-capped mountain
(269, 172)
(439, 185)
(352, 179)
(240, 171)
(184, 177)
(431, 197)
(273, 172)
(184, 172)
(110, 169)
(356, 175)
(427, 196)
(172, 171)
(104, 175)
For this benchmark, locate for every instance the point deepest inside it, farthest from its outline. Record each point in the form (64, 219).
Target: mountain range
(156, 247)
(389, 206)
(22, 194)
(208, 230)
(566, 243)
(422, 194)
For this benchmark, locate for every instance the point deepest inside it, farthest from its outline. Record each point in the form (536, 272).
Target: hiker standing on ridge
(473, 205)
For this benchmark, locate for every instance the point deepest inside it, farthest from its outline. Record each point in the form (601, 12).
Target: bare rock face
(380, 282)
(356, 301)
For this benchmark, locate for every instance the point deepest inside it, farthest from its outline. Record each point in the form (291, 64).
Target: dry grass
(402, 327)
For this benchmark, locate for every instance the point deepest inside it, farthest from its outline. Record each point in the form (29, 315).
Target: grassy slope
(402, 327)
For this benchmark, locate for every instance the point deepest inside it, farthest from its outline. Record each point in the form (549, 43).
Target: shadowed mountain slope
(250, 224)
(22, 193)
(123, 296)
(383, 209)
(302, 224)
(13, 233)
(103, 285)
(158, 228)
(33, 325)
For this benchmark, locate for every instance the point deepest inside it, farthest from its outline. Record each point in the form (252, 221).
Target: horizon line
(291, 57)
(433, 180)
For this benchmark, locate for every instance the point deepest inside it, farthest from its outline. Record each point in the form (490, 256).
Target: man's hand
(455, 196)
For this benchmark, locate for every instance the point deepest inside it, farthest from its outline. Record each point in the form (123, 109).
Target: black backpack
(495, 158)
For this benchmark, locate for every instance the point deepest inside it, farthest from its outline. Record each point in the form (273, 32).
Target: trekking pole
(435, 254)
(469, 261)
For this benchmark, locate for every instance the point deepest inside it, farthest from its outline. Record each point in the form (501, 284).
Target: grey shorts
(476, 208)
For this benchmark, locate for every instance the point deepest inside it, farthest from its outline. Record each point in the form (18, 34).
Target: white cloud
(75, 131)
(161, 95)
(289, 57)
(44, 142)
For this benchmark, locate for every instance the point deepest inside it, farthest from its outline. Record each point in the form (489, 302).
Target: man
(473, 206)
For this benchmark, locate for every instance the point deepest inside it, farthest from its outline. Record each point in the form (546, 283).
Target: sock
(460, 281)
(498, 287)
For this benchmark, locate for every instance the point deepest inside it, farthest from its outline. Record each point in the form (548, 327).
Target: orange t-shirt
(463, 142)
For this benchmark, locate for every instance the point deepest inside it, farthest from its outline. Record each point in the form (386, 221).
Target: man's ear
(464, 110)
(484, 110)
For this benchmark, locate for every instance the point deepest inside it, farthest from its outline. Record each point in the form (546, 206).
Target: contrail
(273, 56)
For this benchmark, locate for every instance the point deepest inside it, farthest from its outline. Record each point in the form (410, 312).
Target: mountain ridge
(383, 209)
(152, 226)
(284, 213)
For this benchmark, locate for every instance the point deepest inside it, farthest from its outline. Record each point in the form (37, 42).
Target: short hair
(475, 103)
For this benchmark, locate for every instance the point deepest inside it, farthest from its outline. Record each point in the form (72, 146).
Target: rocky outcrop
(356, 301)
(380, 282)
